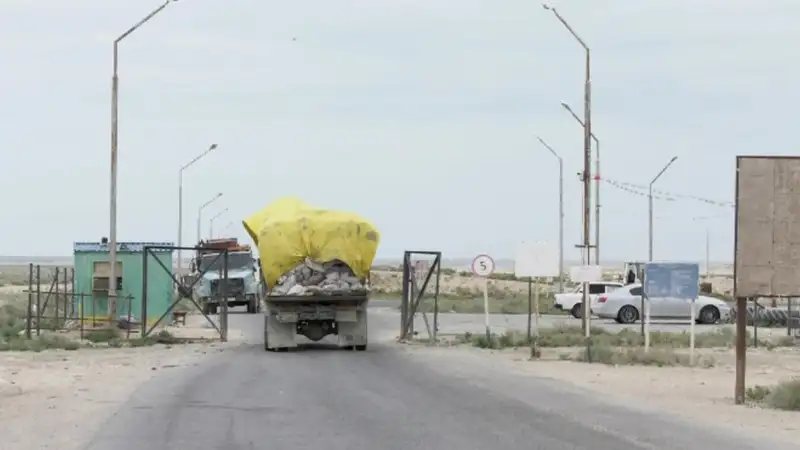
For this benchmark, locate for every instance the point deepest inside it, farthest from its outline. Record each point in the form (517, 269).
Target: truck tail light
(602, 299)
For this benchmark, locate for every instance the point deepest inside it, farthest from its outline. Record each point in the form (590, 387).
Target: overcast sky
(420, 115)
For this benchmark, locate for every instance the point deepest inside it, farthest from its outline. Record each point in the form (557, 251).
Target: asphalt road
(386, 398)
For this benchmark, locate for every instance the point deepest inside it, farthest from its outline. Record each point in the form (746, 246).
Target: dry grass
(623, 348)
(14, 275)
(12, 337)
(785, 395)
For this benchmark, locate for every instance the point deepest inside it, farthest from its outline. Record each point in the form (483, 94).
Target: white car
(624, 305)
(573, 301)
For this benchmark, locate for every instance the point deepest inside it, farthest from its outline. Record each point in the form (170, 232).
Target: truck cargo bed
(327, 298)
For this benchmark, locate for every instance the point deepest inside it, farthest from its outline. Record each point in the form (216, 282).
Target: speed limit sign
(483, 265)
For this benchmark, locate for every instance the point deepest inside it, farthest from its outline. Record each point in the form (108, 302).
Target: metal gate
(416, 282)
(185, 290)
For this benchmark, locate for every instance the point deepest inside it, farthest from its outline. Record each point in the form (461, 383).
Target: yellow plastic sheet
(289, 230)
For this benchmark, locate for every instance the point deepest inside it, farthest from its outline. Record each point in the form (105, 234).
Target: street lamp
(112, 235)
(650, 207)
(596, 187)
(560, 214)
(180, 200)
(587, 149)
(200, 212)
(708, 241)
(211, 223)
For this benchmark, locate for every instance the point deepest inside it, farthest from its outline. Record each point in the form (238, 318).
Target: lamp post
(708, 242)
(180, 200)
(211, 223)
(650, 208)
(596, 186)
(200, 212)
(112, 235)
(587, 149)
(560, 214)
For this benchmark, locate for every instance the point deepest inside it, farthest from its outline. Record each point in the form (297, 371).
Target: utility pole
(587, 150)
(560, 214)
(596, 186)
(112, 235)
(650, 208)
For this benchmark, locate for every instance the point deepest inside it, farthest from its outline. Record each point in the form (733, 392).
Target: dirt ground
(703, 395)
(59, 389)
(54, 388)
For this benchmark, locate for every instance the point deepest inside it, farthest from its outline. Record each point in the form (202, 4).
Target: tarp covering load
(318, 249)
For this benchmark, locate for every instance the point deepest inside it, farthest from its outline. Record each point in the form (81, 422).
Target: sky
(420, 115)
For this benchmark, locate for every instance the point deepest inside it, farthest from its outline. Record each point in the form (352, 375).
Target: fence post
(38, 298)
(30, 301)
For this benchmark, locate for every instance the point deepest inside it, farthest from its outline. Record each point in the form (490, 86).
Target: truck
(339, 311)
(243, 287)
(315, 265)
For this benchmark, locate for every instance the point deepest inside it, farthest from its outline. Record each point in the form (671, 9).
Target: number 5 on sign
(483, 266)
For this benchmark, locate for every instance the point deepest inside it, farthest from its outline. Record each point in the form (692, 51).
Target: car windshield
(235, 261)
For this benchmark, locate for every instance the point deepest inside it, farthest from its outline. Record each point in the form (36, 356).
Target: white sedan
(624, 305)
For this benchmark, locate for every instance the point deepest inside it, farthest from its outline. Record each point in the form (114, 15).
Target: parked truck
(315, 266)
(243, 287)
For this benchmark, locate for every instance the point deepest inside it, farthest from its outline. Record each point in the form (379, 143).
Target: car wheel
(577, 311)
(709, 315)
(627, 314)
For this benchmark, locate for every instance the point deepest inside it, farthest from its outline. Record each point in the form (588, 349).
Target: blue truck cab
(243, 287)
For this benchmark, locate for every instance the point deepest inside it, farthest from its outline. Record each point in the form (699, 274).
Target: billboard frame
(736, 294)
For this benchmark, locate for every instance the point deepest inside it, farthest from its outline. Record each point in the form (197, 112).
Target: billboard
(767, 234)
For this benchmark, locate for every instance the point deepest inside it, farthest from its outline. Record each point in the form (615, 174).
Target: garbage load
(306, 250)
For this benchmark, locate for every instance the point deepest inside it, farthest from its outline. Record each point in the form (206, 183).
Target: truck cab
(243, 287)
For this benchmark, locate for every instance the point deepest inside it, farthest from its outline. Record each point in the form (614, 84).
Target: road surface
(387, 398)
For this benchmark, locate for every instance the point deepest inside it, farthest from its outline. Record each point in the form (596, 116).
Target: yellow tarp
(289, 230)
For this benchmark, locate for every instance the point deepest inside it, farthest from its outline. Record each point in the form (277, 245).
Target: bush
(785, 395)
(661, 357)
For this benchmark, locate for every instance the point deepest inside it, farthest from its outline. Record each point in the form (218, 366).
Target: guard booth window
(101, 272)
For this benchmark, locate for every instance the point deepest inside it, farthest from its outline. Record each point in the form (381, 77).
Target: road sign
(585, 274)
(674, 280)
(483, 265)
(536, 259)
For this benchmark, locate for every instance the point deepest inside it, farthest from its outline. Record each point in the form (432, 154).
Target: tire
(212, 309)
(361, 348)
(627, 314)
(206, 309)
(709, 315)
(577, 311)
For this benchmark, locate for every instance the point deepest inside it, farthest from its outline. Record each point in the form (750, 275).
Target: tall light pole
(560, 214)
(211, 223)
(708, 241)
(180, 200)
(596, 187)
(587, 149)
(112, 235)
(200, 213)
(650, 208)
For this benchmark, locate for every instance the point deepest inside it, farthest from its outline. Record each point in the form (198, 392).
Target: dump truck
(243, 287)
(315, 273)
